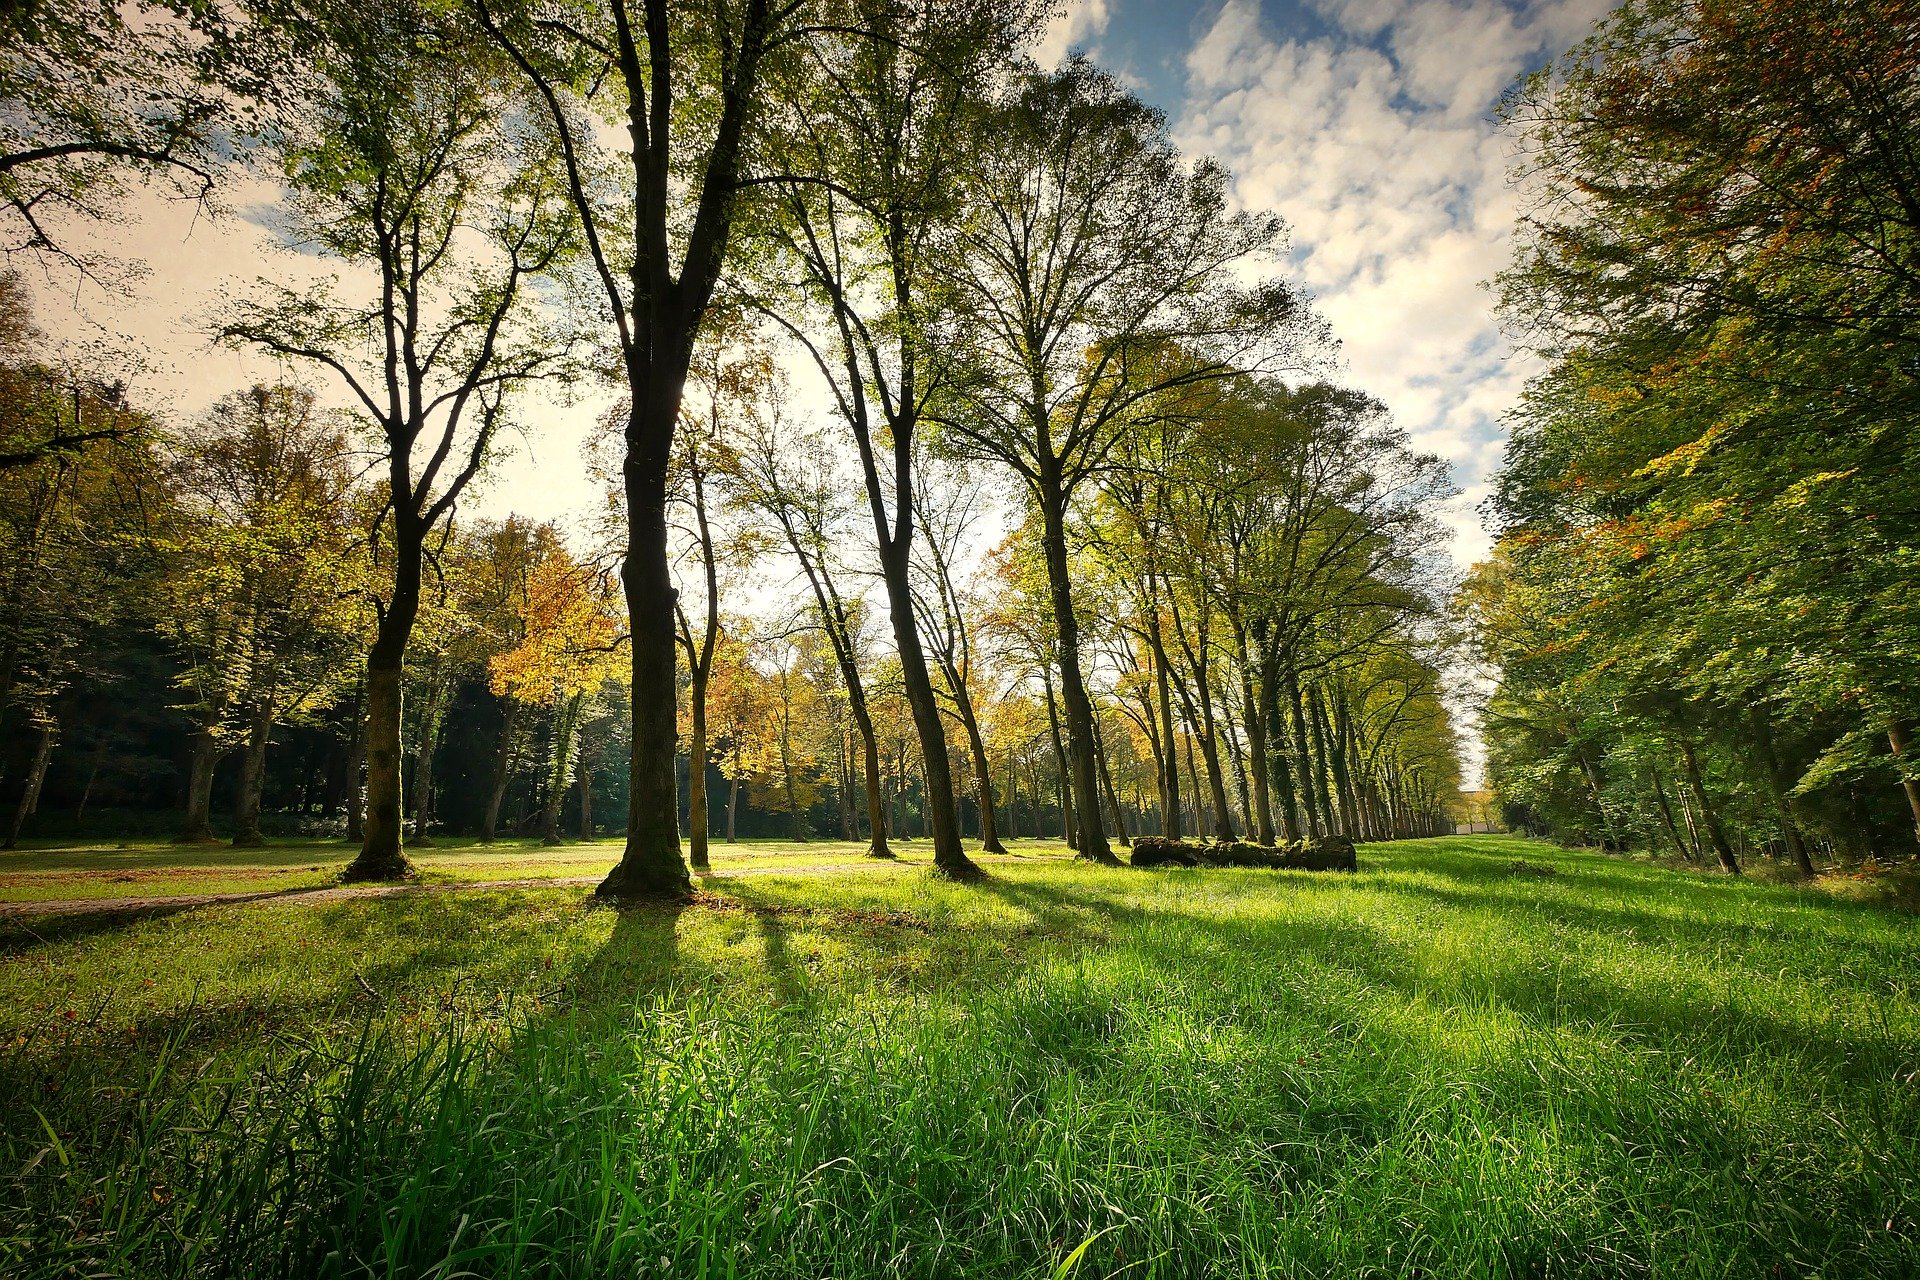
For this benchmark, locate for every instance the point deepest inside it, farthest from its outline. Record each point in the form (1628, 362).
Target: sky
(1366, 124)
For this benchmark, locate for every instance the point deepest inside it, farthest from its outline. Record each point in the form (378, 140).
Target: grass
(50, 871)
(1446, 1065)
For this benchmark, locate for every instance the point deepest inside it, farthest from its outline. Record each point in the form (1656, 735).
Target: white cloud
(1377, 146)
(1073, 28)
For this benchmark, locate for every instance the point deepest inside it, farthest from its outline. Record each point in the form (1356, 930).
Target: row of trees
(990, 270)
(1701, 608)
(190, 600)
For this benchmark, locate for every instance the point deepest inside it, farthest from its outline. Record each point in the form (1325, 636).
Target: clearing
(1477, 1056)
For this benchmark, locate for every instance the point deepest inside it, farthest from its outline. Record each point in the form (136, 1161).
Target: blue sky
(1367, 125)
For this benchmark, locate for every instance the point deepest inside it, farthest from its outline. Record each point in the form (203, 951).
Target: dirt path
(319, 894)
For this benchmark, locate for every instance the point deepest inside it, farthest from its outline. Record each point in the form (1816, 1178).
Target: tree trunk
(1216, 777)
(355, 792)
(1084, 786)
(1718, 837)
(651, 865)
(1064, 791)
(1666, 817)
(733, 806)
(1013, 796)
(1324, 747)
(1315, 814)
(938, 810)
(1778, 790)
(86, 792)
(423, 754)
(565, 727)
(877, 846)
(1106, 787)
(982, 772)
(253, 772)
(1199, 709)
(511, 712)
(1256, 749)
(197, 827)
(1909, 780)
(1235, 757)
(1340, 741)
(1193, 779)
(1273, 738)
(794, 819)
(1694, 844)
(380, 857)
(586, 802)
(36, 775)
(1599, 807)
(1170, 765)
(698, 819)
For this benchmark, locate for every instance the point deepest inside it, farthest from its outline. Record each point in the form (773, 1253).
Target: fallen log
(1328, 853)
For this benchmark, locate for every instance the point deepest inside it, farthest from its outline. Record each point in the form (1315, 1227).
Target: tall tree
(951, 505)
(792, 478)
(406, 166)
(1711, 485)
(657, 222)
(258, 598)
(883, 124)
(731, 404)
(1099, 273)
(568, 651)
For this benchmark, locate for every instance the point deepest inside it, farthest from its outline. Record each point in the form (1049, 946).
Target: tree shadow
(639, 959)
(790, 985)
(23, 929)
(1570, 988)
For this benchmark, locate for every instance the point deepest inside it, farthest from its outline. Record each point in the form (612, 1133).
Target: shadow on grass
(1540, 980)
(25, 929)
(1116, 1051)
(639, 959)
(789, 983)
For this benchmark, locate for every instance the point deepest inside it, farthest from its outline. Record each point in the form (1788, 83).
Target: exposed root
(378, 871)
(631, 886)
(965, 871)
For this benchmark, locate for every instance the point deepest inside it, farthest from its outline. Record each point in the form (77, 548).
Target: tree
(793, 478)
(406, 166)
(694, 81)
(782, 751)
(1711, 484)
(569, 650)
(727, 407)
(950, 505)
(881, 131)
(75, 557)
(736, 707)
(258, 597)
(92, 93)
(494, 568)
(1097, 273)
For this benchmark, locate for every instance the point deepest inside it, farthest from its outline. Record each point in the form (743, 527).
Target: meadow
(1478, 1056)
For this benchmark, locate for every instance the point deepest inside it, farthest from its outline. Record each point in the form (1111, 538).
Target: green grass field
(1450, 1064)
(47, 871)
